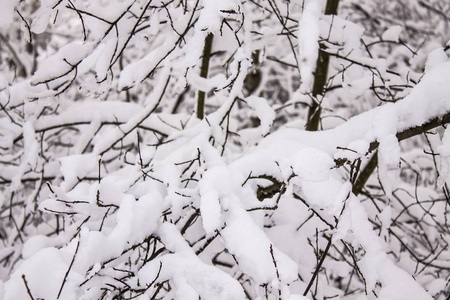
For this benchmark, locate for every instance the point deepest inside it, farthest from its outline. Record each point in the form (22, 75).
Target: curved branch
(403, 135)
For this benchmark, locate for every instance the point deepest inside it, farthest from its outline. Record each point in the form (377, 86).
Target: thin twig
(319, 265)
(26, 285)
(68, 270)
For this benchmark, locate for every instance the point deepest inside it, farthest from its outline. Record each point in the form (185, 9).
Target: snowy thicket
(111, 187)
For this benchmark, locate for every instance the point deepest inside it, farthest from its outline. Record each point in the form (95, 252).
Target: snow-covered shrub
(114, 186)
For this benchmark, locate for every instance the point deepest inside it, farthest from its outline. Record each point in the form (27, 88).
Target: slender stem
(316, 272)
(68, 271)
(204, 74)
(27, 287)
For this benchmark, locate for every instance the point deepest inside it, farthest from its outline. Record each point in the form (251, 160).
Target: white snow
(264, 112)
(251, 248)
(435, 58)
(308, 37)
(191, 276)
(44, 273)
(392, 34)
(7, 13)
(75, 167)
(63, 62)
(145, 198)
(210, 207)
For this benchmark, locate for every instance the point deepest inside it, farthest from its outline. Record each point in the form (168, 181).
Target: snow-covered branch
(157, 149)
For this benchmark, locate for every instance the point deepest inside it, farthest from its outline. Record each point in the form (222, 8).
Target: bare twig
(68, 270)
(27, 287)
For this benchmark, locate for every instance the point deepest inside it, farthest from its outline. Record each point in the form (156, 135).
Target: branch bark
(371, 166)
(403, 135)
(320, 77)
(204, 73)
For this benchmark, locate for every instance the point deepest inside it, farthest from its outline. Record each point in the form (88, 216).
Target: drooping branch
(133, 123)
(403, 135)
(371, 166)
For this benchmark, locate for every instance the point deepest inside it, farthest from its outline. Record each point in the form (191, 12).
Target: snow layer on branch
(308, 36)
(213, 12)
(20, 92)
(385, 123)
(312, 165)
(435, 58)
(252, 249)
(342, 31)
(212, 188)
(62, 63)
(44, 273)
(192, 278)
(392, 34)
(135, 221)
(74, 167)
(105, 57)
(209, 21)
(430, 98)
(264, 112)
(108, 112)
(40, 22)
(376, 265)
(137, 71)
(30, 156)
(205, 84)
(117, 134)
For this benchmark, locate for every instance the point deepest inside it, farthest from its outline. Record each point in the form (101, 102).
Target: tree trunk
(320, 77)
(204, 74)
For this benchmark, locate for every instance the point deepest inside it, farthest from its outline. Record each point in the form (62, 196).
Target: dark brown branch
(320, 76)
(26, 285)
(332, 7)
(365, 174)
(416, 130)
(204, 74)
(403, 135)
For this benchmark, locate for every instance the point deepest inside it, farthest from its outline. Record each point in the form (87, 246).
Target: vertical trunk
(365, 174)
(204, 74)
(320, 77)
